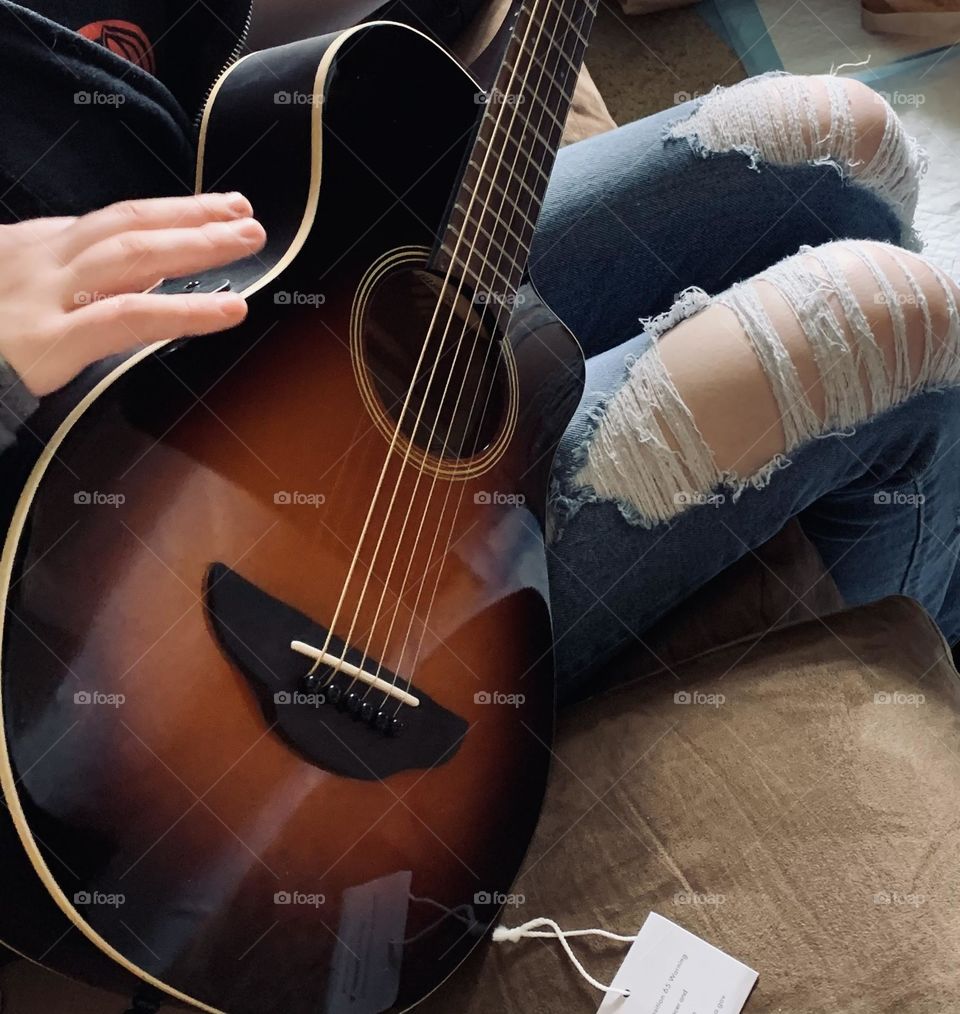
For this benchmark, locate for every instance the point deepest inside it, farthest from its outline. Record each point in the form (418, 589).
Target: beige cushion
(802, 826)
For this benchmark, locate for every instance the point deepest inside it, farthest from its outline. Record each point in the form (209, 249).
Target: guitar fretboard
(491, 222)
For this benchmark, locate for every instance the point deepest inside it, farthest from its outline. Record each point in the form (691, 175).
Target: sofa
(804, 821)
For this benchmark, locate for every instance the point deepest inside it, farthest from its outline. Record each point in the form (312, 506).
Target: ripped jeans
(666, 218)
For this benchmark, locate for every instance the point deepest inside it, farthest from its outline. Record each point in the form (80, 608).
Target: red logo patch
(123, 38)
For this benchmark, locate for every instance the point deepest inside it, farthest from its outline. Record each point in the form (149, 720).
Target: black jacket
(81, 127)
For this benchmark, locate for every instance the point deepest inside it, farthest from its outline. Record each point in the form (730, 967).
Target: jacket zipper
(231, 60)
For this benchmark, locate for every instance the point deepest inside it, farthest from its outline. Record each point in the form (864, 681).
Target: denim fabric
(631, 219)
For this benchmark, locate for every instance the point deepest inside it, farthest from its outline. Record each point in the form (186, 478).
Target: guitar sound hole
(458, 388)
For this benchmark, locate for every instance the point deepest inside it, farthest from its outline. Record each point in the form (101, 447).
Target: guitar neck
(490, 225)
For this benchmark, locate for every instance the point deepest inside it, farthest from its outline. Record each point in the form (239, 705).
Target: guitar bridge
(340, 716)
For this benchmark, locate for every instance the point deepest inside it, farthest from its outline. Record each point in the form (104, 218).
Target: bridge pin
(312, 681)
(352, 702)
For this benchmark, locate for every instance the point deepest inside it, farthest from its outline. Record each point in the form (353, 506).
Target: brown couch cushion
(803, 826)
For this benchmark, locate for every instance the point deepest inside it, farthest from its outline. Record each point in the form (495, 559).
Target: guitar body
(182, 811)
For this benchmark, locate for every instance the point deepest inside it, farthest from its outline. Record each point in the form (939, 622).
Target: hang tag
(669, 970)
(366, 964)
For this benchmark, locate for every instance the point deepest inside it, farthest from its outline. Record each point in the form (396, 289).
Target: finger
(124, 322)
(35, 230)
(153, 213)
(132, 261)
(45, 226)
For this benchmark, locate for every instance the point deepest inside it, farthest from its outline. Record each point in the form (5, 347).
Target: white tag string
(532, 929)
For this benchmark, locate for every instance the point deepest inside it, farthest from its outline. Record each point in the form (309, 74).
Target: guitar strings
(503, 309)
(443, 400)
(393, 442)
(570, 71)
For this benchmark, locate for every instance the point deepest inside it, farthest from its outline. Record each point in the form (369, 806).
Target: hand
(72, 289)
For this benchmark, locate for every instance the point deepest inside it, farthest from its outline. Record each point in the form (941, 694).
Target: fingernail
(238, 203)
(248, 229)
(231, 303)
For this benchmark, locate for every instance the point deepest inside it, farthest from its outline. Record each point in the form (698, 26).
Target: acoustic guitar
(277, 683)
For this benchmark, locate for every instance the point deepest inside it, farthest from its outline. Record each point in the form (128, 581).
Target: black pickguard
(324, 734)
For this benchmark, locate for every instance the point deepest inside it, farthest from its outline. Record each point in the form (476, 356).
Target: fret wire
(526, 161)
(542, 102)
(491, 234)
(540, 172)
(548, 143)
(514, 264)
(552, 45)
(475, 276)
(562, 88)
(513, 207)
(493, 182)
(566, 58)
(527, 126)
(526, 142)
(576, 28)
(516, 236)
(545, 108)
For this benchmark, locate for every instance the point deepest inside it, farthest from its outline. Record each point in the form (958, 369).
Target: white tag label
(365, 968)
(670, 971)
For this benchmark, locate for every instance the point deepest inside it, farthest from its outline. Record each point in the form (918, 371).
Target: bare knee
(910, 307)
(846, 331)
(870, 119)
(789, 120)
(820, 342)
